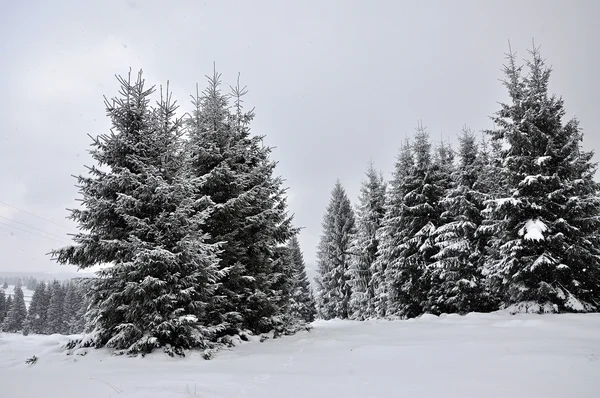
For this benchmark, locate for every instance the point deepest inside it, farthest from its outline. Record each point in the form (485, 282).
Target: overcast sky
(335, 84)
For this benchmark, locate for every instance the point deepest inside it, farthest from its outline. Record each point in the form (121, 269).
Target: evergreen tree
(334, 256)
(71, 305)
(457, 281)
(5, 285)
(407, 278)
(17, 312)
(54, 315)
(140, 217)
(9, 301)
(369, 216)
(547, 226)
(302, 303)
(250, 217)
(390, 232)
(3, 306)
(38, 308)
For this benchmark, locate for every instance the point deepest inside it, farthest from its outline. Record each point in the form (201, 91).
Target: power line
(29, 226)
(35, 215)
(29, 232)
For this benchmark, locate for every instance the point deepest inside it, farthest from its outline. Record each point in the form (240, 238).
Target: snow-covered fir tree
(140, 217)
(17, 312)
(389, 233)
(8, 305)
(334, 256)
(38, 309)
(547, 225)
(369, 216)
(249, 218)
(3, 306)
(457, 282)
(302, 302)
(407, 277)
(54, 316)
(71, 305)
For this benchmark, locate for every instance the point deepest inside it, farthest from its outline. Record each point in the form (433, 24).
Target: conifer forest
(189, 221)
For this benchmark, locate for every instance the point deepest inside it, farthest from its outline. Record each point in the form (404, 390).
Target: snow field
(478, 355)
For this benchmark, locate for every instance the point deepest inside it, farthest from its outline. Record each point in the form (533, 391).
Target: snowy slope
(491, 355)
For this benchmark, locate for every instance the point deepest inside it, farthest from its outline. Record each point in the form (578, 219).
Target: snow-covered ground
(478, 355)
(27, 294)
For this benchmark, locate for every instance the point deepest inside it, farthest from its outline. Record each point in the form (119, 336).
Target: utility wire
(32, 227)
(35, 215)
(29, 232)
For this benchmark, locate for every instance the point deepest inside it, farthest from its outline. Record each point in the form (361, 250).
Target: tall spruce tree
(250, 218)
(140, 217)
(547, 226)
(334, 256)
(17, 312)
(54, 315)
(369, 216)
(71, 305)
(389, 233)
(407, 277)
(3, 306)
(302, 302)
(38, 309)
(457, 280)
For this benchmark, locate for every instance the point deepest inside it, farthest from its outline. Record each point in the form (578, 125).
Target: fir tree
(38, 308)
(17, 312)
(54, 316)
(5, 285)
(369, 216)
(249, 218)
(3, 306)
(302, 303)
(407, 278)
(547, 225)
(334, 256)
(457, 282)
(9, 301)
(71, 305)
(140, 217)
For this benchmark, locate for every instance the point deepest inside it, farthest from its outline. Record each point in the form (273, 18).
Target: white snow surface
(477, 355)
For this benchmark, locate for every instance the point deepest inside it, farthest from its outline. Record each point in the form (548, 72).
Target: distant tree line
(55, 307)
(511, 221)
(27, 281)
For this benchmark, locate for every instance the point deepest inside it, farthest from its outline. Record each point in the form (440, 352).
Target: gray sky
(334, 83)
